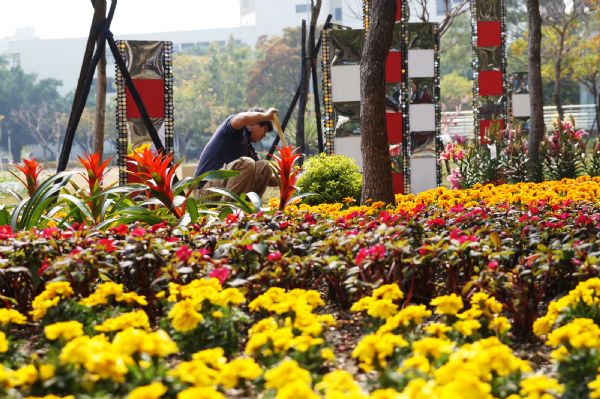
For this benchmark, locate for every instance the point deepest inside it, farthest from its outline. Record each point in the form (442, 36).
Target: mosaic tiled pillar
(394, 79)
(342, 53)
(149, 64)
(421, 106)
(520, 105)
(489, 64)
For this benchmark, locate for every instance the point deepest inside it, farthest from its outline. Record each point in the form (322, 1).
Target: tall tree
(274, 77)
(560, 31)
(100, 89)
(377, 179)
(30, 110)
(536, 124)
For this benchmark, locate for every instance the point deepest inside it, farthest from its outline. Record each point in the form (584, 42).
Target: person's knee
(245, 165)
(262, 168)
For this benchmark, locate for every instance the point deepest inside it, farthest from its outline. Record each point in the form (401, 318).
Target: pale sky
(54, 19)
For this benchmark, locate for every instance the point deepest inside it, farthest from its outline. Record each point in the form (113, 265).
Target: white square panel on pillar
(345, 83)
(421, 63)
(350, 147)
(423, 174)
(521, 107)
(421, 117)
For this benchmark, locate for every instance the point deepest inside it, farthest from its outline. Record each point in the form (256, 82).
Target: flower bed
(487, 261)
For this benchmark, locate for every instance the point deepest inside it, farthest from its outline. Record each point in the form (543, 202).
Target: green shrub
(331, 178)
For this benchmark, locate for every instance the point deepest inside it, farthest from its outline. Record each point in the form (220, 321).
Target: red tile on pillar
(152, 92)
(399, 10)
(490, 83)
(393, 121)
(393, 67)
(486, 123)
(489, 33)
(398, 183)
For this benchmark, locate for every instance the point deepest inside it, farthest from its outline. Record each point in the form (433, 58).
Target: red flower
(220, 273)
(287, 172)
(155, 171)
(183, 253)
(283, 225)
(274, 256)
(6, 232)
(424, 250)
(121, 229)
(309, 218)
(50, 232)
(106, 244)
(45, 264)
(156, 227)
(31, 168)
(232, 218)
(493, 264)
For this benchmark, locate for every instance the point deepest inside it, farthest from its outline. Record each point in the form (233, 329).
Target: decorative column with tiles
(149, 64)
(421, 106)
(488, 21)
(342, 53)
(520, 105)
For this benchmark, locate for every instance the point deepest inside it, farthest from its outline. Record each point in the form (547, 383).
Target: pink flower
(183, 253)
(493, 264)
(455, 179)
(457, 208)
(274, 256)
(220, 273)
(50, 232)
(360, 257)
(138, 232)
(45, 264)
(107, 244)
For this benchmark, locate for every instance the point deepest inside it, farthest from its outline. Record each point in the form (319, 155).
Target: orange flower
(155, 171)
(288, 173)
(31, 168)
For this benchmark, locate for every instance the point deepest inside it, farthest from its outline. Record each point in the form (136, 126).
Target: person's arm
(248, 118)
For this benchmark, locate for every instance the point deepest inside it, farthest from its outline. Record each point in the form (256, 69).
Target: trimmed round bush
(331, 178)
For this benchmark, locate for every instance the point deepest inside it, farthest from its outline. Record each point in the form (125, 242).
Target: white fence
(461, 123)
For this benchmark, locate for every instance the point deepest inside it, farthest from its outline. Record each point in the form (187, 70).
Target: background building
(61, 58)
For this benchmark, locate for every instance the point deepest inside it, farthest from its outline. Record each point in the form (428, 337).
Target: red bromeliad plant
(287, 173)
(95, 169)
(154, 170)
(31, 168)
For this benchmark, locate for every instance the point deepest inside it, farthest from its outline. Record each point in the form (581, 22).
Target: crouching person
(231, 148)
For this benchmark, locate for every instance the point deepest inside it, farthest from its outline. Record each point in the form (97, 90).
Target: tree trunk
(100, 91)
(377, 173)
(536, 124)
